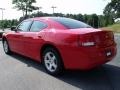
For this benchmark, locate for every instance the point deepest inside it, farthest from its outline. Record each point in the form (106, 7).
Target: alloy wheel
(50, 61)
(6, 48)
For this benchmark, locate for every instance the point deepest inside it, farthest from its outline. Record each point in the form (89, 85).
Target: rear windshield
(71, 23)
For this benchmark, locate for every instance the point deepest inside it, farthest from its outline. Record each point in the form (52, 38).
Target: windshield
(71, 23)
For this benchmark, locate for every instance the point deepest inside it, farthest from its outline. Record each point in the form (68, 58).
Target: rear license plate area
(108, 53)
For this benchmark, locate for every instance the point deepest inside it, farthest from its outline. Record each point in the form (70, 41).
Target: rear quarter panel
(64, 41)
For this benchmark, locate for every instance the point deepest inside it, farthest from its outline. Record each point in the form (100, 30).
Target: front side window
(24, 26)
(70, 23)
(38, 26)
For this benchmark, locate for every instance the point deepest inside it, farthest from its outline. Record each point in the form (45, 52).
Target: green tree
(113, 9)
(25, 5)
(8, 23)
(95, 21)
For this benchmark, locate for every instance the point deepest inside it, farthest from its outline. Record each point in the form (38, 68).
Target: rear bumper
(87, 58)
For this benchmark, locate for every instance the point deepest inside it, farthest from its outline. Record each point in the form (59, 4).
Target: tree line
(93, 20)
(8, 23)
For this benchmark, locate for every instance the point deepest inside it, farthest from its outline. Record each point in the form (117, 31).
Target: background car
(61, 43)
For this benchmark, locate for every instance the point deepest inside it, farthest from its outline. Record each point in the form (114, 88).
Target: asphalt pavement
(21, 73)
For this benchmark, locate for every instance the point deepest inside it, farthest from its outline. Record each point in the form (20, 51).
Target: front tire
(52, 61)
(6, 47)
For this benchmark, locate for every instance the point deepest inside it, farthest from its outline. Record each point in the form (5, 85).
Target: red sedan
(60, 43)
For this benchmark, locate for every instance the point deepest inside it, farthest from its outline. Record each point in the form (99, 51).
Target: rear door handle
(40, 36)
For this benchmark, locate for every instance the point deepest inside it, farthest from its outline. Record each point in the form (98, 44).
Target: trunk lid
(100, 37)
(104, 38)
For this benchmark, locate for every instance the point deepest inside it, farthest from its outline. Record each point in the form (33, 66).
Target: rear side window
(71, 23)
(37, 26)
(24, 26)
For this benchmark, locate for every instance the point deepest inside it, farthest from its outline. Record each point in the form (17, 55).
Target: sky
(63, 6)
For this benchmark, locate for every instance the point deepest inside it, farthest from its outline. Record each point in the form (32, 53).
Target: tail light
(86, 40)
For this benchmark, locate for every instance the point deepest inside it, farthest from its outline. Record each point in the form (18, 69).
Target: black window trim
(23, 22)
(38, 21)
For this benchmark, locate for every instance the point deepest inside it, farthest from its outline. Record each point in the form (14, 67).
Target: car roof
(49, 20)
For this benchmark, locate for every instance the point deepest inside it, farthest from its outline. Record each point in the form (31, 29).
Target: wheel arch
(48, 45)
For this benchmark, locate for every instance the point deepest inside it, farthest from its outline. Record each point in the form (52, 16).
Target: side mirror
(13, 28)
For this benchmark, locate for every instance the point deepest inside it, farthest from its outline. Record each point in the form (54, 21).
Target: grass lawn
(115, 28)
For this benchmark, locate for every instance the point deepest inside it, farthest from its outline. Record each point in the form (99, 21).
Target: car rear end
(83, 47)
(92, 49)
(99, 47)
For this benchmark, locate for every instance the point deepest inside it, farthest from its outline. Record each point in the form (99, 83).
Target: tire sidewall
(59, 61)
(8, 51)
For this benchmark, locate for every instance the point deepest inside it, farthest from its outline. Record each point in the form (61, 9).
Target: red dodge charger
(60, 43)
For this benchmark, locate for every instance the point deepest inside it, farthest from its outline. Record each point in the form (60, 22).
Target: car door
(16, 39)
(33, 39)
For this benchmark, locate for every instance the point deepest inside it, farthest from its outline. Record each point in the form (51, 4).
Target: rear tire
(52, 61)
(6, 47)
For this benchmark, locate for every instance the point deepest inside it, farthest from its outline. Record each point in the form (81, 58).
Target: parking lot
(20, 73)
